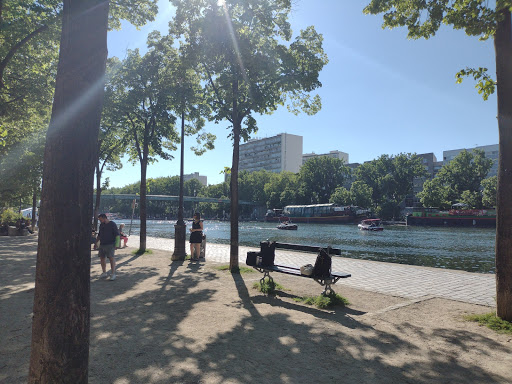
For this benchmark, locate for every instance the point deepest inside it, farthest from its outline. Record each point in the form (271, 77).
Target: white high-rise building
(335, 154)
(202, 179)
(491, 152)
(278, 153)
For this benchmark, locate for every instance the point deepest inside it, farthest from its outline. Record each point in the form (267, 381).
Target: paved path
(394, 279)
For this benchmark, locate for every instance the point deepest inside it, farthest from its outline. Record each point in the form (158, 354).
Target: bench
(326, 282)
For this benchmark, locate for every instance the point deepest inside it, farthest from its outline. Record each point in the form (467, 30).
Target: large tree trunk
(60, 326)
(143, 205)
(98, 198)
(503, 48)
(233, 260)
(237, 127)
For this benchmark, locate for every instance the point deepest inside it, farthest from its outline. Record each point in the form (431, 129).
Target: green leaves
(240, 47)
(321, 176)
(390, 180)
(484, 83)
(459, 181)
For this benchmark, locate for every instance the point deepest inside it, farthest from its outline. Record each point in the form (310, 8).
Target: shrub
(323, 302)
(269, 287)
(9, 217)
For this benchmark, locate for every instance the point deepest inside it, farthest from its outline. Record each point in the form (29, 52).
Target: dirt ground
(163, 322)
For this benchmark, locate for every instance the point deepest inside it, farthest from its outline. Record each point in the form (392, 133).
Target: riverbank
(407, 281)
(162, 322)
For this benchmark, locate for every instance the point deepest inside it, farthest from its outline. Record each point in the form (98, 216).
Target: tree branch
(137, 145)
(15, 48)
(218, 101)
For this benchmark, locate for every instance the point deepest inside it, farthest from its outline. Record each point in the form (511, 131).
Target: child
(123, 236)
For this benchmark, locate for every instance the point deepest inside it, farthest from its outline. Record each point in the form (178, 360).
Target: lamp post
(180, 227)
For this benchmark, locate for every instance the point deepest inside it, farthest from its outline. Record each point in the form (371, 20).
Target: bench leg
(266, 274)
(328, 289)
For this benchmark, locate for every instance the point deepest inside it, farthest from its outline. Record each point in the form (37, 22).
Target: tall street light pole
(180, 227)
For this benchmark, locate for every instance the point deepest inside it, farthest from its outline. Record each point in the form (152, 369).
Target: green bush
(9, 217)
(323, 302)
(269, 287)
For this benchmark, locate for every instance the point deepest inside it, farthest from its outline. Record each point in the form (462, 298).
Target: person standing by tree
(108, 237)
(196, 237)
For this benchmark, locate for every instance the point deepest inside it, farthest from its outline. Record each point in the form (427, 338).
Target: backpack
(323, 263)
(251, 258)
(267, 253)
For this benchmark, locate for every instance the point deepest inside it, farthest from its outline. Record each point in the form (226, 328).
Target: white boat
(288, 225)
(370, 225)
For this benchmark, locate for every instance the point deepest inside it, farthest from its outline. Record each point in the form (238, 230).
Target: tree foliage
(489, 188)
(390, 180)
(321, 176)
(463, 174)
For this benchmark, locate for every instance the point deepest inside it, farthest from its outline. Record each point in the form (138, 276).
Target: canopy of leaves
(321, 176)
(240, 47)
(463, 174)
(391, 178)
(489, 188)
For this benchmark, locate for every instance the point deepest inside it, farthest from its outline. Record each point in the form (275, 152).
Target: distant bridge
(195, 199)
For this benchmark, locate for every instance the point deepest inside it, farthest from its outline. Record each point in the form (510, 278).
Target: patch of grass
(323, 302)
(490, 320)
(269, 287)
(138, 252)
(238, 270)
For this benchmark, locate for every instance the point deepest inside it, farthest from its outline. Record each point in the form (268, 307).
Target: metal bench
(326, 282)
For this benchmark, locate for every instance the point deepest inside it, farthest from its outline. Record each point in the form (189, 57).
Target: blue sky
(382, 93)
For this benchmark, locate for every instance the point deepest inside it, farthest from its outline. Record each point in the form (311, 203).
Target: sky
(381, 93)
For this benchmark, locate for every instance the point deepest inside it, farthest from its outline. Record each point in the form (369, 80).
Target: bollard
(202, 251)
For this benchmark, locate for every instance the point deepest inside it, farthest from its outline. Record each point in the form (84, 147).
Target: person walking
(108, 236)
(196, 236)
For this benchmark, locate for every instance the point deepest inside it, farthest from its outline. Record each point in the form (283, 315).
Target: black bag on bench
(251, 258)
(268, 253)
(323, 263)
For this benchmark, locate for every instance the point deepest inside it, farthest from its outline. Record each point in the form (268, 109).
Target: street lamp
(180, 226)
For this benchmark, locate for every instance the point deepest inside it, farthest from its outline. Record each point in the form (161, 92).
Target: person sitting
(123, 236)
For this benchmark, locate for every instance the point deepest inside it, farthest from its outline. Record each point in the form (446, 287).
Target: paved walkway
(393, 279)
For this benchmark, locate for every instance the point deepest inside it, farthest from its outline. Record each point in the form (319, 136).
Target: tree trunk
(237, 126)
(61, 312)
(233, 260)
(98, 198)
(503, 49)
(34, 208)
(142, 204)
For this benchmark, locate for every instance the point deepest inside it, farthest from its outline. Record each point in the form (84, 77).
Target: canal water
(468, 249)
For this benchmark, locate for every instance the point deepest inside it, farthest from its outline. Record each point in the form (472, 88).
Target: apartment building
(491, 152)
(334, 154)
(278, 153)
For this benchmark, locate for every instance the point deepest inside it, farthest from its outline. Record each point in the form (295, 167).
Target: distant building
(334, 154)
(491, 152)
(437, 167)
(278, 153)
(428, 160)
(202, 179)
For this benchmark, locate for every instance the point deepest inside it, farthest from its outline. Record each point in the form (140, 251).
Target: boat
(324, 213)
(370, 225)
(287, 225)
(454, 217)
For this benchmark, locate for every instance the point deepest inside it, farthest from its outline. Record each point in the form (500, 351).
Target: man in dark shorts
(107, 236)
